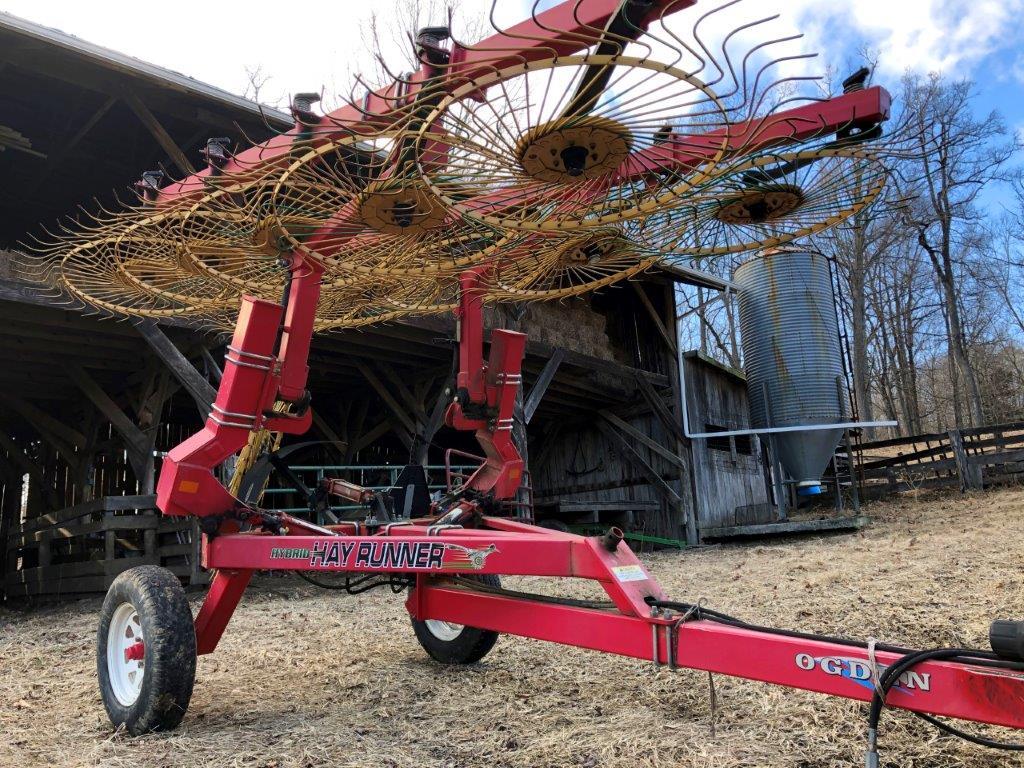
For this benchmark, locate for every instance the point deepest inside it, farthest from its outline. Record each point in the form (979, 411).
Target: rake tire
(148, 602)
(467, 646)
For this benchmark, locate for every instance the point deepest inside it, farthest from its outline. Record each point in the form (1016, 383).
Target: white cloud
(923, 35)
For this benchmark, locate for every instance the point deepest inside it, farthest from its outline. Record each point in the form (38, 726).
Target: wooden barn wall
(582, 465)
(729, 489)
(58, 485)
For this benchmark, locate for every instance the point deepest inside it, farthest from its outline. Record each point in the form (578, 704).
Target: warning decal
(629, 573)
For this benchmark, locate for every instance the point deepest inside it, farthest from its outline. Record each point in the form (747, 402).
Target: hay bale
(573, 324)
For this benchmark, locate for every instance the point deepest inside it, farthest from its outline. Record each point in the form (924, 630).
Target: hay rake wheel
(230, 235)
(767, 201)
(546, 267)
(371, 223)
(533, 160)
(350, 306)
(139, 274)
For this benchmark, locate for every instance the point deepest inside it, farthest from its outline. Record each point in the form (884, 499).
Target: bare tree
(959, 155)
(394, 38)
(256, 84)
(857, 249)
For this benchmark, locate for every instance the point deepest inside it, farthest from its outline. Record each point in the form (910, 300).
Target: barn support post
(136, 442)
(659, 323)
(368, 437)
(521, 440)
(548, 439)
(657, 406)
(76, 448)
(52, 435)
(39, 489)
(195, 383)
(672, 500)
(328, 432)
(139, 439)
(63, 438)
(412, 405)
(355, 421)
(151, 519)
(403, 425)
(425, 422)
(156, 390)
(540, 387)
(434, 421)
(10, 515)
(159, 133)
(85, 470)
(683, 445)
(675, 430)
(646, 440)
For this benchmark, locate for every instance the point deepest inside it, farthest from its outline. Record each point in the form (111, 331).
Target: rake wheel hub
(761, 205)
(267, 236)
(404, 209)
(591, 249)
(563, 152)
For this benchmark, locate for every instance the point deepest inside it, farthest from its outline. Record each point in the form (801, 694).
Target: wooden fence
(82, 549)
(970, 459)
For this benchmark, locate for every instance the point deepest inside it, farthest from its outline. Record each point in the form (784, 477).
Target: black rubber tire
(170, 639)
(554, 525)
(469, 647)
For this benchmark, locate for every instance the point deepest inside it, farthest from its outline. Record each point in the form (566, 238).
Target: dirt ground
(305, 678)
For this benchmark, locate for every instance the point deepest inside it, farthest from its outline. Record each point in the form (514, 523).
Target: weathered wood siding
(582, 465)
(82, 549)
(730, 485)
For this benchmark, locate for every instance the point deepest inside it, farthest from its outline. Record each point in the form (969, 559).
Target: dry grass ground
(306, 678)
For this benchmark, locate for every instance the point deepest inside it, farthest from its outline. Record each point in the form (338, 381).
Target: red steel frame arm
(820, 118)
(297, 330)
(486, 394)
(939, 688)
(469, 335)
(565, 29)
(629, 629)
(258, 371)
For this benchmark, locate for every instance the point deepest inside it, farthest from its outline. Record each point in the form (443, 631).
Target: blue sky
(982, 40)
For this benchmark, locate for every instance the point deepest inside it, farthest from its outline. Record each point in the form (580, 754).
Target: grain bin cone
(805, 455)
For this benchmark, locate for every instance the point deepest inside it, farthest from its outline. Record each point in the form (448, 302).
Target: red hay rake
(573, 150)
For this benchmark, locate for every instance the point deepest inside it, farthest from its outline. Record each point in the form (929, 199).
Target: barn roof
(697, 356)
(81, 120)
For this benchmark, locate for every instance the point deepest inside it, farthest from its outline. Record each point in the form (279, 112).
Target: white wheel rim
(125, 674)
(444, 630)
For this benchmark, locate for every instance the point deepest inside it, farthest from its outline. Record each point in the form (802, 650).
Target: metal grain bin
(793, 357)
